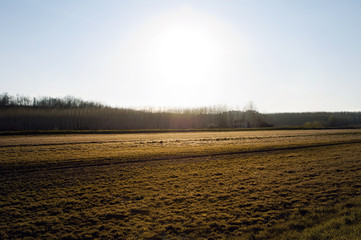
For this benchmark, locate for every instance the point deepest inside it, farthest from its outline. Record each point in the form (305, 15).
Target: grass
(340, 221)
(60, 150)
(141, 131)
(286, 193)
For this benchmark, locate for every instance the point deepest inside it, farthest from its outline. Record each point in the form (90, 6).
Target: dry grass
(38, 151)
(289, 193)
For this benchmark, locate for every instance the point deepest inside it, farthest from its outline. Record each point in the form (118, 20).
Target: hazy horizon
(285, 56)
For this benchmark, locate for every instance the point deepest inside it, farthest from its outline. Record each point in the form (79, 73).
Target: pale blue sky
(282, 55)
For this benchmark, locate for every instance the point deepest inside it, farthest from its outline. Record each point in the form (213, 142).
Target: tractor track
(100, 162)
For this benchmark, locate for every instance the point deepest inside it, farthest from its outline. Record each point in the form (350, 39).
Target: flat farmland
(303, 184)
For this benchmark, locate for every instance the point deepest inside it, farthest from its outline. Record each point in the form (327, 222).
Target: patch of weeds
(140, 211)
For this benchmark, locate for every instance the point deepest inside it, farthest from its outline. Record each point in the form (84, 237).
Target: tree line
(68, 102)
(19, 113)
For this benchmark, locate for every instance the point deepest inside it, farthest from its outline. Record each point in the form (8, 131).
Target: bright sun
(182, 58)
(183, 54)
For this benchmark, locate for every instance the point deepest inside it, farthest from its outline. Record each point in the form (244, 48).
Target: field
(300, 184)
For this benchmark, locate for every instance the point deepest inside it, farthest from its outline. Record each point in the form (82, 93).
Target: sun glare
(181, 57)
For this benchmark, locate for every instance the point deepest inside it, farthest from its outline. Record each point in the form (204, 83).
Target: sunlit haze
(282, 55)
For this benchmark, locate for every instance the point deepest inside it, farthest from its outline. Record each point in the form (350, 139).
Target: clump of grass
(340, 221)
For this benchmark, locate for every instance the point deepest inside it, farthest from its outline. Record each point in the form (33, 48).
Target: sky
(283, 55)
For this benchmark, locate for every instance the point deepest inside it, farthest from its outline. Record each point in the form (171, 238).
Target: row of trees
(19, 113)
(14, 119)
(68, 102)
(315, 119)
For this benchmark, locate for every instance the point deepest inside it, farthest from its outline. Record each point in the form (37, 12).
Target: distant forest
(20, 113)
